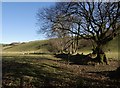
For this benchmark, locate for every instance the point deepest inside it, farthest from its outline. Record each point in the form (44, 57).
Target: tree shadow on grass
(42, 78)
(115, 74)
(79, 59)
(13, 71)
(113, 78)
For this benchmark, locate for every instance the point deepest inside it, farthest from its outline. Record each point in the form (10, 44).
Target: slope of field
(43, 46)
(28, 46)
(51, 71)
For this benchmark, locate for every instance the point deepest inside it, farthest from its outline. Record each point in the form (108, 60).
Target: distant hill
(26, 46)
(44, 46)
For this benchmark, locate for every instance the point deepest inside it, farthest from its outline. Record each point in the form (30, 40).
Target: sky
(19, 21)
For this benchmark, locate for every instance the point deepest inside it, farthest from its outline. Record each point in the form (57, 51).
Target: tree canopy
(98, 21)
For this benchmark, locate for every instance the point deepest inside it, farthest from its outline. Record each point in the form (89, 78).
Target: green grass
(42, 46)
(29, 46)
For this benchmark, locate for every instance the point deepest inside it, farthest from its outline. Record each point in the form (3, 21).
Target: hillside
(44, 46)
(41, 45)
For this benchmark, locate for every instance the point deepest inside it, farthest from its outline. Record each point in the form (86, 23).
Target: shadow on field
(115, 74)
(25, 75)
(79, 59)
(20, 74)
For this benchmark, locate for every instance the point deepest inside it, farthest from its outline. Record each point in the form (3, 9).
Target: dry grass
(112, 55)
(49, 71)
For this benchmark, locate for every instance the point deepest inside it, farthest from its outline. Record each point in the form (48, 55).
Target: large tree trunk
(101, 56)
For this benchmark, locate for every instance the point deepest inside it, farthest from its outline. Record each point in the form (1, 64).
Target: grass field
(41, 71)
(42, 46)
(22, 68)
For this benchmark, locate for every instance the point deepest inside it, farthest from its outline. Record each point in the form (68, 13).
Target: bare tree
(54, 25)
(97, 21)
